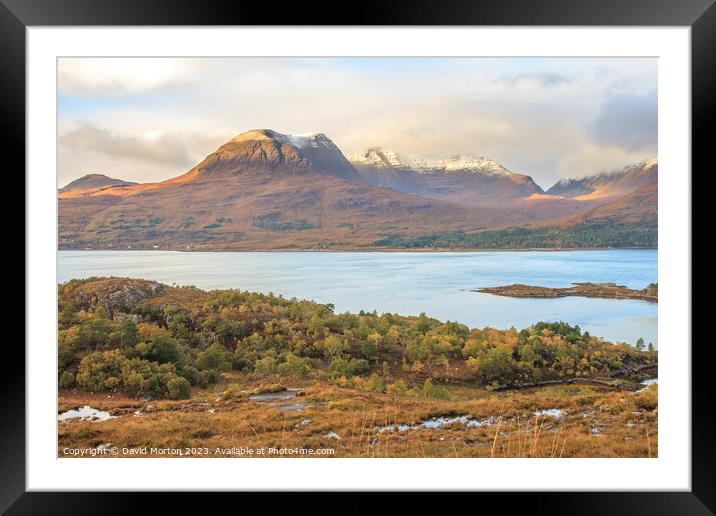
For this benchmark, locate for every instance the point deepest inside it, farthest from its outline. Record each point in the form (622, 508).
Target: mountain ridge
(609, 183)
(260, 190)
(265, 190)
(463, 179)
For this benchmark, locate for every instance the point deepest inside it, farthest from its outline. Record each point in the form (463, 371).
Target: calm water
(409, 283)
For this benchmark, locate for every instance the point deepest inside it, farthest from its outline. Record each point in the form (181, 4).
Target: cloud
(544, 79)
(151, 119)
(628, 121)
(118, 76)
(164, 149)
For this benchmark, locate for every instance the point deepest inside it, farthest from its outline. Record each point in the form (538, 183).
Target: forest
(557, 237)
(146, 339)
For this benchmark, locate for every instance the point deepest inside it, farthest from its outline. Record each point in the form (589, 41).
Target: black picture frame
(700, 15)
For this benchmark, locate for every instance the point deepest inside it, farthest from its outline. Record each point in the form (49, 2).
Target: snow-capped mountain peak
(472, 163)
(300, 141)
(385, 158)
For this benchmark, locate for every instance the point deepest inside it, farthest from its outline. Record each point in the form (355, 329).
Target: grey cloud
(627, 121)
(544, 79)
(167, 149)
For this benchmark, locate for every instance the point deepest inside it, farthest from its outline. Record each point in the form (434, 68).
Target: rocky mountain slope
(612, 184)
(463, 180)
(639, 207)
(265, 190)
(261, 190)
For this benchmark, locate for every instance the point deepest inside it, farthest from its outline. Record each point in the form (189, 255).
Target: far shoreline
(377, 250)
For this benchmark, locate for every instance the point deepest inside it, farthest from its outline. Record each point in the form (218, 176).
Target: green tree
(333, 346)
(294, 365)
(423, 324)
(67, 380)
(265, 365)
(215, 357)
(179, 388)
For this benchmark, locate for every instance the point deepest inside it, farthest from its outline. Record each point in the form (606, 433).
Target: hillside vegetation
(143, 338)
(555, 237)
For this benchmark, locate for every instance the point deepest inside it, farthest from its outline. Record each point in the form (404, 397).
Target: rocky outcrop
(114, 294)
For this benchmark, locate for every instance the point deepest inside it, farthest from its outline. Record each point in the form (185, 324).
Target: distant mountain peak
(296, 140)
(472, 163)
(462, 179)
(265, 151)
(385, 158)
(644, 164)
(618, 181)
(93, 181)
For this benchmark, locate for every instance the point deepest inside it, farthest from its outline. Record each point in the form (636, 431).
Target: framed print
(425, 252)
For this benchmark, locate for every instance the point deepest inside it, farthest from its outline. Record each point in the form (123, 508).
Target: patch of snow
(437, 422)
(85, 413)
(386, 158)
(473, 164)
(333, 435)
(298, 140)
(554, 412)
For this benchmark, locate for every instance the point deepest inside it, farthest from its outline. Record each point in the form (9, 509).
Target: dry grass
(595, 423)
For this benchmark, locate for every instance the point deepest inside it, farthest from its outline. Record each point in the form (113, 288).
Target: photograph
(357, 257)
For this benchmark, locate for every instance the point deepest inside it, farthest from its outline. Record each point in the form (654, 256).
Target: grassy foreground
(594, 424)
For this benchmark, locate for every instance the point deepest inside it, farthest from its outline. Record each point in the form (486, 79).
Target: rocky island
(607, 290)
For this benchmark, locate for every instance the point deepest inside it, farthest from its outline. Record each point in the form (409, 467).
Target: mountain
(93, 181)
(610, 184)
(637, 208)
(464, 180)
(273, 154)
(262, 190)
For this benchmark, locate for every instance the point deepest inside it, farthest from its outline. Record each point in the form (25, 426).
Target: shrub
(67, 380)
(397, 388)
(294, 365)
(232, 391)
(375, 383)
(179, 388)
(347, 367)
(648, 399)
(435, 391)
(332, 346)
(215, 357)
(101, 371)
(496, 364)
(96, 369)
(266, 365)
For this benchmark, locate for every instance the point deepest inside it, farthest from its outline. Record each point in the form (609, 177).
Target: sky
(150, 119)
